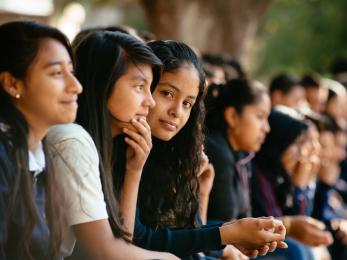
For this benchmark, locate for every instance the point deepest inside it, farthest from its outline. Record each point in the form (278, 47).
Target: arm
(206, 182)
(206, 177)
(75, 160)
(181, 242)
(139, 147)
(97, 240)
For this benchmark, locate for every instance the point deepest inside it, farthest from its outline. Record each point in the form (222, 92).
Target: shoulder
(216, 145)
(63, 132)
(72, 143)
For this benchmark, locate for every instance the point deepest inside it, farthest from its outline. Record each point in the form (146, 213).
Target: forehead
(262, 102)
(184, 80)
(139, 71)
(51, 50)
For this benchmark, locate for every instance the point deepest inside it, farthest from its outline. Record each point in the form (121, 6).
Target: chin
(163, 136)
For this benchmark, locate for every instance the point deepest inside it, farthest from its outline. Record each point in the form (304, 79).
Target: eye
(139, 88)
(187, 104)
(166, 93)
(56, 73)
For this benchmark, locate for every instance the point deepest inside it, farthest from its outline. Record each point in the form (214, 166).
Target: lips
(144, 116)
(72, 102)
(169, 125)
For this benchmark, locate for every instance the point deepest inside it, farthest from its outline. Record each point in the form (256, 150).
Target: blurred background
(266, 36)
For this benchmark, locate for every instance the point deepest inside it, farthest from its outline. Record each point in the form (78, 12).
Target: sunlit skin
(131, 98)
(175, 96)
(247, 130)
(48, 94)
(295, 98)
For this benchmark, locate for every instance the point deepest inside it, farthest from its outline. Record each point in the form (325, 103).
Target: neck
(232, 140)
(36, 134)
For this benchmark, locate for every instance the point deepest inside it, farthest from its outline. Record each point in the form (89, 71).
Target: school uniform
(40, 235)
(75, 160)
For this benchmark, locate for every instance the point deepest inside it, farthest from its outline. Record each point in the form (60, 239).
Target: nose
(149, 101)
(73, 85)
(176, 110)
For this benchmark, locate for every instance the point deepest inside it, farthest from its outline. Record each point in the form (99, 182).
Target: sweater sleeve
(181, 242)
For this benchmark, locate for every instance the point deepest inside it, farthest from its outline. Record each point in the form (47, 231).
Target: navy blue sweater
(181, 242)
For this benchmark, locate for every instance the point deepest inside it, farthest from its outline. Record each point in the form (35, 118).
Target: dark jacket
(226, 200)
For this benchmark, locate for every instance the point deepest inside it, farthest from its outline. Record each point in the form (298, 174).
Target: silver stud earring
(17, 96)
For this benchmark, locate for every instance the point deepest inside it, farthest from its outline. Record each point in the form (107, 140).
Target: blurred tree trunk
(210, 25)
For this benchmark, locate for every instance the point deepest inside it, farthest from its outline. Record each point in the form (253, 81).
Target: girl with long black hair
(168, 211)
(117, 72)
(37, 90)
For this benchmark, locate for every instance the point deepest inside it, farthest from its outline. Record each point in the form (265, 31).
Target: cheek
(184, 120)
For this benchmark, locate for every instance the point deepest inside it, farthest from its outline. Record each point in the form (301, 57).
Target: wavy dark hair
(102, 58)
(19, 45)
(169, 185)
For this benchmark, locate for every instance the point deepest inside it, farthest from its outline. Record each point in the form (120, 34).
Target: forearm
(203, 208)
(129, 199)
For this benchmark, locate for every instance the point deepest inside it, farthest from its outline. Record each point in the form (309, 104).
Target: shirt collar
(37, 160)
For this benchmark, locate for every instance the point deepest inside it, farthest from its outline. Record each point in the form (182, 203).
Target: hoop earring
(17, 96)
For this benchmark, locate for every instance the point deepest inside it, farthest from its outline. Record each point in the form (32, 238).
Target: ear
(231, 117)
(11, 85)
(276, 97)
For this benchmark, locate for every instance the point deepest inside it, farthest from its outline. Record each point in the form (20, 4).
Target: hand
(254, 233)
(206, 180)
(139, 145)
(309, 231)
(232, 253)
(340, 226)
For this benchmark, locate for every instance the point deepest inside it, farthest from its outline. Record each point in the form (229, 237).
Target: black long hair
(286, 125)
(102, 58)
(19, 45)
(169, 185)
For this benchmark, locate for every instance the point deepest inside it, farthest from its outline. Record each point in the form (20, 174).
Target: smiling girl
(117, 72)
(37, 90)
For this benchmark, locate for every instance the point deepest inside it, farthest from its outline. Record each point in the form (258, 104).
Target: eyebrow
(176, 88)
(139, 77)
(53, 63)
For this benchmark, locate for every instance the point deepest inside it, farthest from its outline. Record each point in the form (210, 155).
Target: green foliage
(302, 35)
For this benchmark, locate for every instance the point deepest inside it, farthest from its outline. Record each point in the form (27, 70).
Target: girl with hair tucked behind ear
(37, 90)
(117, 72)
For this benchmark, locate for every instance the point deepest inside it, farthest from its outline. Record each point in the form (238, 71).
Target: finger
(317, 223)
(138, 139)
(282, 244)
(143, 129)
(264, 250)
(135, 146)
(272, 246)
(248, 252)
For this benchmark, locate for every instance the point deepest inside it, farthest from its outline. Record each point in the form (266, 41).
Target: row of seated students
(296, 173)
(116, 166)
(131, 179)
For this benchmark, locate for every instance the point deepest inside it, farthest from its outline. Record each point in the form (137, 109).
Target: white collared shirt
(37, 161)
